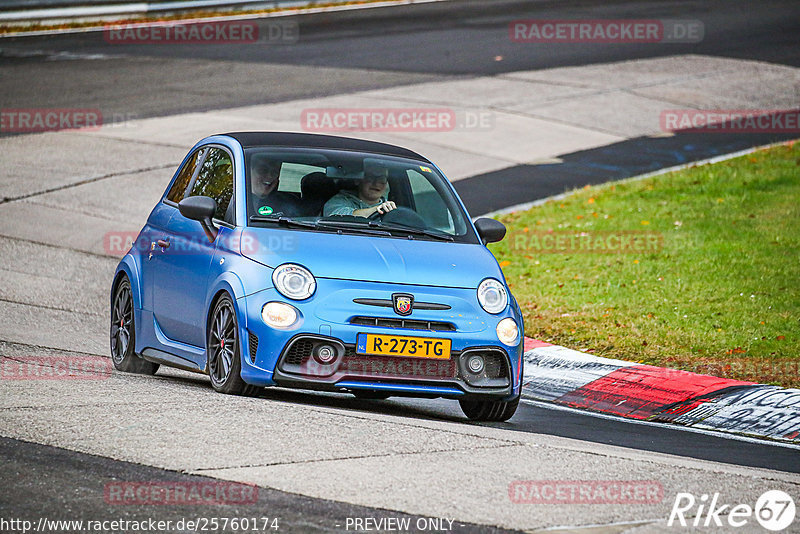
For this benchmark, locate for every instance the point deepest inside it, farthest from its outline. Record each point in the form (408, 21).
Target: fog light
(475, 364)
(279, 314)
(325, 354)
(507, 331)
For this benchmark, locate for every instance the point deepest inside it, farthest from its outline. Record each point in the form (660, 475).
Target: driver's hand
(386, 207)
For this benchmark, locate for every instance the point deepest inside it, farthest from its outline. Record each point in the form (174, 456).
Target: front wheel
(123, 333)
(224, 360)
(477, 410)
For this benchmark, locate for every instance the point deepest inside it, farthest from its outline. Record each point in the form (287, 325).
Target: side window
(429, 203)
(178, 188)
(215, 180)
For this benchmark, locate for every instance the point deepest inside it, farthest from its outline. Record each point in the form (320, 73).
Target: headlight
(492, 296)
(507, 331)
(279, 314)
(293, 281)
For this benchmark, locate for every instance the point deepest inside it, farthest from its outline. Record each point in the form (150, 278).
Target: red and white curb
(569, 377)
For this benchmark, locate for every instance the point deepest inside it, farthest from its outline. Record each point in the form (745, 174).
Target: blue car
(320, 263)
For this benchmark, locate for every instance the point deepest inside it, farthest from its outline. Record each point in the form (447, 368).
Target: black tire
(477, 410)
(223, 351)
(123, 333)
(371, 395)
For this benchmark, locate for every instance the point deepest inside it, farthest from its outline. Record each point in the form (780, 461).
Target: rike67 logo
(774, 510)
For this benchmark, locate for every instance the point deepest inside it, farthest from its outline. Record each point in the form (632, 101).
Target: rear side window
(215, 180)
(178, 189)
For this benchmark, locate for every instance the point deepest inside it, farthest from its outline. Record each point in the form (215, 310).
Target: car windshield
(352, 192)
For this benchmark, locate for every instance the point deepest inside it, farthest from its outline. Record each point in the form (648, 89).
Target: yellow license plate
(412, 347)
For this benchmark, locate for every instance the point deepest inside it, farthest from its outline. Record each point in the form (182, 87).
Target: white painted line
(698, 163)
(571, 529)
(666, 426)
(287, 12)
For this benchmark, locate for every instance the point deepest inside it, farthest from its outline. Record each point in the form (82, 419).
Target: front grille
(410, 324)
(393, 367)
(299, 352)
(253, 346)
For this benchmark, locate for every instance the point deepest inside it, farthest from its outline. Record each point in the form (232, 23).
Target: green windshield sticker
(424, 169)
(264, 210)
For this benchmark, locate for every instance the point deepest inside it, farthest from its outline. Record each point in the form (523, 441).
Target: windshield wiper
(283, 221)
(352, 225)
(318, 225)
(412, 230)
(366, 227)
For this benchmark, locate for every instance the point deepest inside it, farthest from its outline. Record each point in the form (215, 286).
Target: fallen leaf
(505, 263)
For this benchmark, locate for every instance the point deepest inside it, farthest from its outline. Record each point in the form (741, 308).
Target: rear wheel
(123, 333)
(478, 410)
(224, 359)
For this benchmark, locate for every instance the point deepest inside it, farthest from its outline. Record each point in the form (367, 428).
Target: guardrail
(101, 10)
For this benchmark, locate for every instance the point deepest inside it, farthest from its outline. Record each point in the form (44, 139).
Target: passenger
(369, 198)
(265, 199)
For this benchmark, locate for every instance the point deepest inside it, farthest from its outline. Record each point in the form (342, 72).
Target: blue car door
(185, 254)
(156, 228)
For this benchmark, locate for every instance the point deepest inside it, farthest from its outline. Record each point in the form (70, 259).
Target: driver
(370, 198)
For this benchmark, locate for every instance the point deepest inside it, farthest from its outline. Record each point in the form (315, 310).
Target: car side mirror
(490, 230)
(200, 209)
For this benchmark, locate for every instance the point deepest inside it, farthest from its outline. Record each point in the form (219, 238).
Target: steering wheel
(401, 215)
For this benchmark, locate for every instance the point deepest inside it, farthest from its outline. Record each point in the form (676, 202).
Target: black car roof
(304, 140)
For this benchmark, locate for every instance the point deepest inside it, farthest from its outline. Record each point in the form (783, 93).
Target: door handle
(163, 243)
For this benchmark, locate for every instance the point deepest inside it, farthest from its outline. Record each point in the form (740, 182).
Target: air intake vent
(495, 370)
(253, 346)
(299, 352)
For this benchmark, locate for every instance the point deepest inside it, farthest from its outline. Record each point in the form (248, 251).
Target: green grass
(720, 296)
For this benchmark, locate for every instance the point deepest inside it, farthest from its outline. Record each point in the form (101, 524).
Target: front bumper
(284, 357)
(297, 367)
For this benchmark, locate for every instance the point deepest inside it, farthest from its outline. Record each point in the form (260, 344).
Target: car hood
(373, 259)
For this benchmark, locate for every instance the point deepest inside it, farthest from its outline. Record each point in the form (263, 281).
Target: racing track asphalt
(351, 51)
(75, 491)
